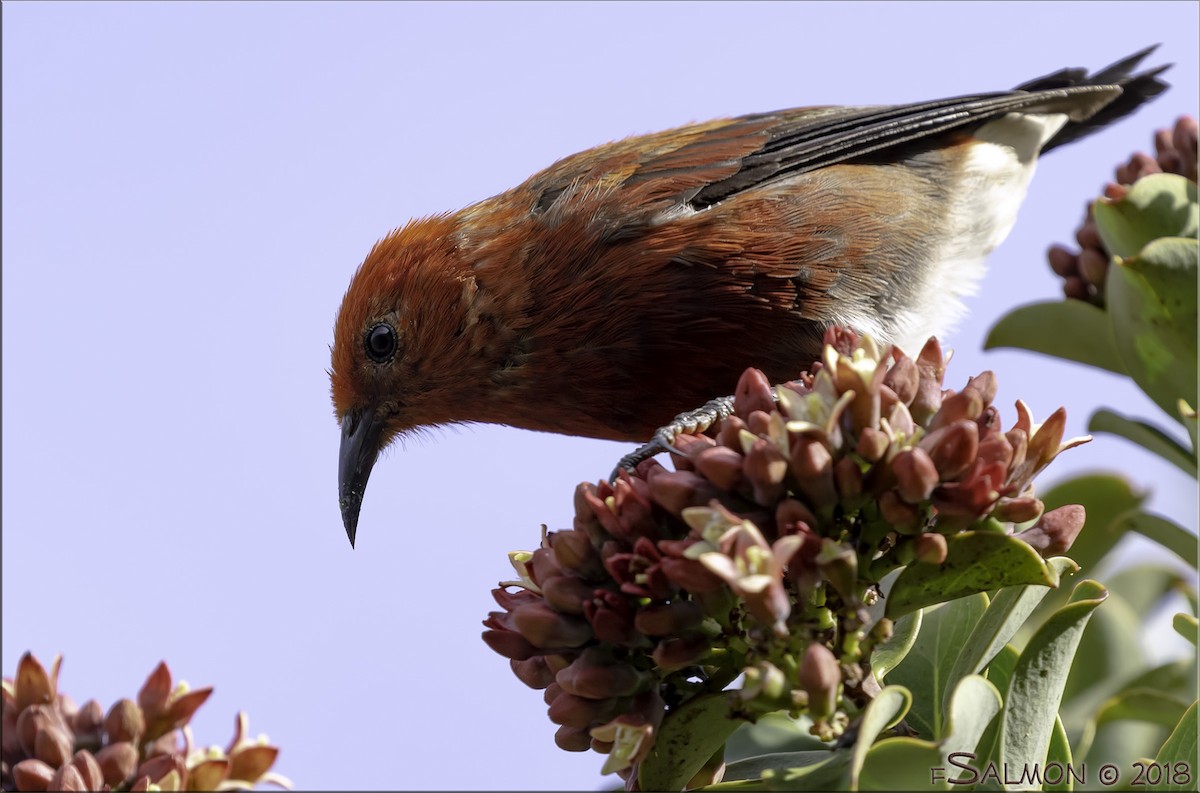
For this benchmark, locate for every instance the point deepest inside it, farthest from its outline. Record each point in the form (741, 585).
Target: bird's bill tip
(350, 504)
(361, 431)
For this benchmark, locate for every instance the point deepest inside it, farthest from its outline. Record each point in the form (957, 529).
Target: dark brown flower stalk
(50, 744)
(1084, 272)
(761, 552)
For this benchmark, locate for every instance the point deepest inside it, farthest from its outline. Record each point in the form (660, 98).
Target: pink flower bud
(952, 448)
(544, 627)
(753, 393)
(680, 651)
(821, 677)
(930, 547)
(666, 619)
(916, 475)
(32, 774)
(117, 763)
(566, 593)
(903, 379)
(722, 466)
(1056, 531)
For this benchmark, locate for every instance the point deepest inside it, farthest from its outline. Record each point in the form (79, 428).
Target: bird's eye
(381, 342)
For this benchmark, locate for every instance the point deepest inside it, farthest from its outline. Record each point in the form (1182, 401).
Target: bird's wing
(786, 143)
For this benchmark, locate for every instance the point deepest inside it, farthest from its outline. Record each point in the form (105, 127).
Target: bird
(640, 277)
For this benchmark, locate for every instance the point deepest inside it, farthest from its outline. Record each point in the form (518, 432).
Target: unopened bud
(812, 465)
(533, 672)
(848, 477)
(1056, 531)
(32, 774)
(916, 475)
(674, 491)
(52, 746)
(953, 448)
(903, 379)
(765, 468)
(1018, 510)
(573, 739)
(117, 763)
(957, 406)
(545, 627)
(790, 513)
(542, 565)
(930, 547)
(722, 466)
(89, 770)
(680, 651)
(599, 681)
(160, 766)
(872, 444)
(904, 518)
(753, 393)
(569, 710)
(985, 385)
(821, 677)
(765, 682)
(839, 566)
(574, 551)
(510, 644)
(67, 778)
(125, 722)
(566, 593)
(667, 619)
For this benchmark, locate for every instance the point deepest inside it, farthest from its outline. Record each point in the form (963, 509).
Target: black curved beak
(360, 448)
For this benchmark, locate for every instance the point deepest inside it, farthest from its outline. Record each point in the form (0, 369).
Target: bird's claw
(663, 440)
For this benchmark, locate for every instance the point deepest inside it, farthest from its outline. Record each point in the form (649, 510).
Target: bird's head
(389, 369)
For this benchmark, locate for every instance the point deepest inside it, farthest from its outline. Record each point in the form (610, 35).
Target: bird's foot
(663, 440)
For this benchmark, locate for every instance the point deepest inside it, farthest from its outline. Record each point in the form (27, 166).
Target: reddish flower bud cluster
(1084, 273)
(51, 744)
(759, 554)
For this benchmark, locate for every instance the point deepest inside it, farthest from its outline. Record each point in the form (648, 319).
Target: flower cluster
(1084, 273)
(51, 744)
(761, 553)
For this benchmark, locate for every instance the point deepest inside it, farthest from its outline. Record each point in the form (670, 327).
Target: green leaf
(999, 674)
(924, 672)
(1177, 678)
(1058, 754)
(973, 705)
(1031, 703)
(887, 656)
(976, 561)
(1004, 616)
(1166, 533)
(1147, 436)
(822, 770)
(1143, 586)
(1142, 704)
(1001, 668)
(1178, 752)
(902, 764)
(1159, 205)
(1186, 626)
(1152, 304)
(1069, 329)
(884, 711)
(1109, 653)
(689, 736)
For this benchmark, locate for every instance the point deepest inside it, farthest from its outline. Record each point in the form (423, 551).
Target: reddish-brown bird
(637, 279)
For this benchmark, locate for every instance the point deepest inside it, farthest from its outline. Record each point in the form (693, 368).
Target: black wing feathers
(821, 137)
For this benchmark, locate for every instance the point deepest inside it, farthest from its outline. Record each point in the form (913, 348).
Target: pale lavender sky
(187, 189)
